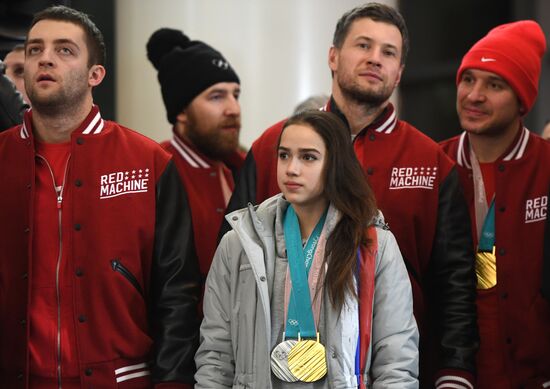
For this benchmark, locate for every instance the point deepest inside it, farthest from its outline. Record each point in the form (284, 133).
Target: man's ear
(96, 74)
(401, 68)
(333, 58)
(522, 109)
(182, 117)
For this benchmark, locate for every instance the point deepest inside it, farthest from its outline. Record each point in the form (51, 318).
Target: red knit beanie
(514, 52)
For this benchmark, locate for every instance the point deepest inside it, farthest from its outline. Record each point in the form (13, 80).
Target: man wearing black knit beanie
(200, 91)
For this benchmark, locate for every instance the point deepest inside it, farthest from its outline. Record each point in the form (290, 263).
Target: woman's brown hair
(346, 188)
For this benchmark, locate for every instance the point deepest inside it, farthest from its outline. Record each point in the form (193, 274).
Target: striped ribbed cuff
(454, 380)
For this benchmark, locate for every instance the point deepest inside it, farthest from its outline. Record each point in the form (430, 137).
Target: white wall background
(278, 48)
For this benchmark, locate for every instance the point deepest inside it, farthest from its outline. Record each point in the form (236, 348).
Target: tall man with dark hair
(505, 172)
(415, 183)
(200, 90)
(98, 275)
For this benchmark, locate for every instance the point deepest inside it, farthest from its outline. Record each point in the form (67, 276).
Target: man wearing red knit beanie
(504, 171)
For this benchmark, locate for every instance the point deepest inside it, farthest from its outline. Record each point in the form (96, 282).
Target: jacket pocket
(117, 266)
(119, 373)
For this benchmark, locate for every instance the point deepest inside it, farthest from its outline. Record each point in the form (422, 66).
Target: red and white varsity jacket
(135, 274)
(522, 182)
(201, 179)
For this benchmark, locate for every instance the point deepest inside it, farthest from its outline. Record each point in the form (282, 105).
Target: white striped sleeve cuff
(453, 382)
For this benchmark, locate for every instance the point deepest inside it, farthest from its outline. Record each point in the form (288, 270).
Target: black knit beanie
(185, 68)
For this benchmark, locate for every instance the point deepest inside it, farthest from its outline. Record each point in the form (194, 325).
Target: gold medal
(307, 360)
(279, 361)
(486, 269)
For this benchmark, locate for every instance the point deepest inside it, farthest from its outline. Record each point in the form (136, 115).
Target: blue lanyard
(300, 314)
(487, 236)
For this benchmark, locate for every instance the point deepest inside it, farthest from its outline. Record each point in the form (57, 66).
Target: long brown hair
(347, 189)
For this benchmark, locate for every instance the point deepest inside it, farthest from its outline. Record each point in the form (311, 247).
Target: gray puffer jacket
(235, 342)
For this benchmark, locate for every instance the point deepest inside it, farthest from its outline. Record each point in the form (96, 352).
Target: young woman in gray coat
(309, 289)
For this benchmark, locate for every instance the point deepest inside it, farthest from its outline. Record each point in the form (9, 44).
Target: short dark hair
(377, 12)
(94, 37)
(347, 189)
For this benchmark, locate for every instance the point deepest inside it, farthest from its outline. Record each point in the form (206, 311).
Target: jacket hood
(257, 222)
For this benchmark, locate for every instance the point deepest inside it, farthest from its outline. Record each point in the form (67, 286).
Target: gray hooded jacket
(235, 340)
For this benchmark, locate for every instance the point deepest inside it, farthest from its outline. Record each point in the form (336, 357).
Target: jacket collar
(92, 125)
(189, 153)
(196, 159)
(515, 151)
(385, 122)
(266, 220)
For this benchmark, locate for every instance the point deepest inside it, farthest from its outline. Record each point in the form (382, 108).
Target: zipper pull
(59, 191)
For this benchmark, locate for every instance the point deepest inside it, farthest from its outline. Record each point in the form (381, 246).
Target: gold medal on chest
(486, 269)
(279, 361)
(307, 360)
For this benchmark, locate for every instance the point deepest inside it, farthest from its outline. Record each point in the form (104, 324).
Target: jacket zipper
(59, 196)
(117, 266)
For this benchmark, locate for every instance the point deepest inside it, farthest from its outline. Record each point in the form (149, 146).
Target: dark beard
(55, 107)
(71, 94)
(59, 104)
(213, 146)
(361, 97)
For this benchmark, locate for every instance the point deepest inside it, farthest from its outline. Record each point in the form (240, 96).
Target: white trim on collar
(188, 154)
(462, 155)
(388, 126)
(519, 148)
(100, 127)
(96, 125)
(24, 133)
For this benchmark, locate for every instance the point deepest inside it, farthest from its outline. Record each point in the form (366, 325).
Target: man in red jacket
(415, 183)
(505, 172)
(98, 275)
(201, 92)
